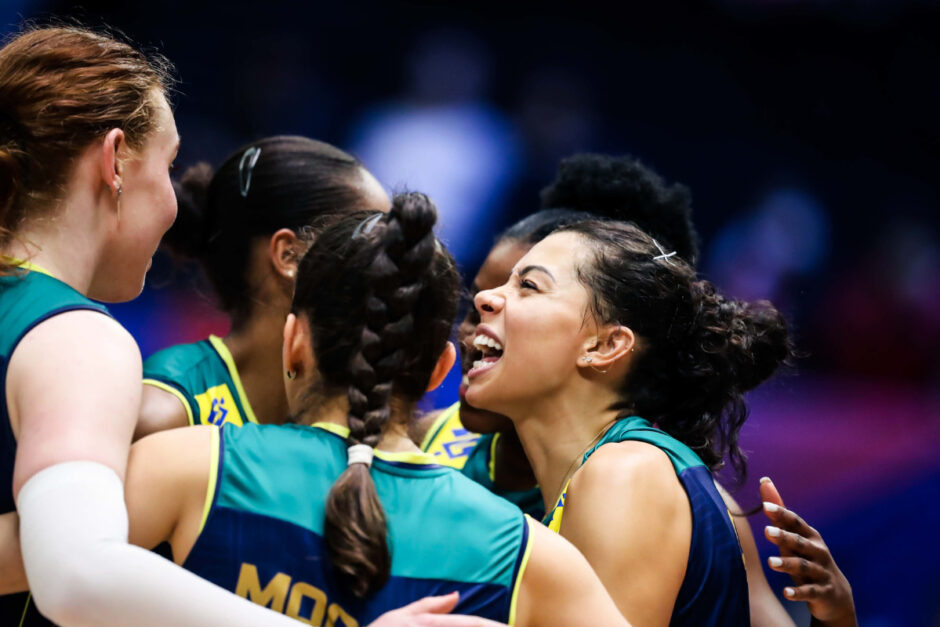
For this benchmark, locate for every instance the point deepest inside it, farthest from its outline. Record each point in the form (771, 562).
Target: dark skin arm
(806, 558)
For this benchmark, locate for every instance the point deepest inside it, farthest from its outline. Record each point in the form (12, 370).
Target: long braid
(403, 246)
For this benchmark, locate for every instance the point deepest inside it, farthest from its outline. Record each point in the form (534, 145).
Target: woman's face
(533, 328)
(146, 209)
(493, 273)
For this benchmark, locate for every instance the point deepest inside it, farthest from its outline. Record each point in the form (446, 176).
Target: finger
(799, 567)
(432, 605)
(789, 520)
(451, 620)
(807, 592)
(769, 493)
(797, 544)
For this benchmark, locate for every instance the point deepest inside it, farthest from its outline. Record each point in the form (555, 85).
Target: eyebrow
(542, 269)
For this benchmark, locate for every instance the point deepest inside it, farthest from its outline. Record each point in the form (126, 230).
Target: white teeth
(465, 380)
(479, 363)
(483, 340)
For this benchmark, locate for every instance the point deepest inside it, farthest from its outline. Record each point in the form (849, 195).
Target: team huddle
(283, 472)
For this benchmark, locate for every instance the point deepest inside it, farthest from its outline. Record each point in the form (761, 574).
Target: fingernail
(773, 532)
(765, 480)
(771, 508)
(775, 562)
(789, 592)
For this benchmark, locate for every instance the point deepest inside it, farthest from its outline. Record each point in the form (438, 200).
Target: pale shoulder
(81, 334)
(182, 451)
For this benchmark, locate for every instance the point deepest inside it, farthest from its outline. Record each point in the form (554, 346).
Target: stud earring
(291, 375)
(588, 359)
(119, 191)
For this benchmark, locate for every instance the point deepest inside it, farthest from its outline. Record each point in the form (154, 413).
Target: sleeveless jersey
(714, 590)
(453, 445)
(27, 298)
(480, 468)
(204, 379)
(262, 534)
(448, 440)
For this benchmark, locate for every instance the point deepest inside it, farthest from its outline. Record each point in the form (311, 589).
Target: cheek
(542, 347)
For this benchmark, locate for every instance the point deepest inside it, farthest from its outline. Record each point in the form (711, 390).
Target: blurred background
(807, 132)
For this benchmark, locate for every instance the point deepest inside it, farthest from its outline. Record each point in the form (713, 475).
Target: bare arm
(12, 574)
(627, 512)
(73, 386)
(559, 587)
(159, 411)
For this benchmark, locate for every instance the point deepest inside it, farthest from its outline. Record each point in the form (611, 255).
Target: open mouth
(485, 353)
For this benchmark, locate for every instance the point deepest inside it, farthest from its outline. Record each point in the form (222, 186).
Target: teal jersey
(204, 378)
(480, 467)
(714, 589)
(262, 536)
(27, 298)
(448, 440)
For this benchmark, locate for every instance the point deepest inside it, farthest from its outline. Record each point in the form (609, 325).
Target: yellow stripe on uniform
(226, 356)
(172, 390)
(213, 478)
(517, 584)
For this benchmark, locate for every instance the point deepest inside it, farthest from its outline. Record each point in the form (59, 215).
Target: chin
(117, 292)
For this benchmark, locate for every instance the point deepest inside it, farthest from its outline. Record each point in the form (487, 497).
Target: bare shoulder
(159, 410)
(625, 466)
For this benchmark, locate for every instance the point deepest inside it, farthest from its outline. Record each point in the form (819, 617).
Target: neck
(64, 243)
(558, 429)
(256, 349)
(394, 440)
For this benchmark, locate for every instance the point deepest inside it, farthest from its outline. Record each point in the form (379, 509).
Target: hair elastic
(360, 454)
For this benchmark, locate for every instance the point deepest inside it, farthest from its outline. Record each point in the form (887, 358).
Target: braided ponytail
(367, 284)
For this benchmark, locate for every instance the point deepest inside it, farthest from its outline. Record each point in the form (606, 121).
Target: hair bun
(622, 188)
(750, 337)
(189, 234)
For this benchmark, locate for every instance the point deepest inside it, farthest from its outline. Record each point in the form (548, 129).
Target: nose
(489, 302)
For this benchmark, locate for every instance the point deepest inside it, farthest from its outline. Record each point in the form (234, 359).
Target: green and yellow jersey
(204, 378)
(262, 534)
(28, 297)
(714, 589)
(448, 441)
(451, 444)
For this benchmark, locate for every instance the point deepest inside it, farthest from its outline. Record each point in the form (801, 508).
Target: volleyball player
(85, 196)
(246, 224)
(340, 516)
(625, 187)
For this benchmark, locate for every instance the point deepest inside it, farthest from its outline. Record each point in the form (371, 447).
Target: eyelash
(528, 285)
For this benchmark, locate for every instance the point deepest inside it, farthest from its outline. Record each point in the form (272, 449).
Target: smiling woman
(604, 334)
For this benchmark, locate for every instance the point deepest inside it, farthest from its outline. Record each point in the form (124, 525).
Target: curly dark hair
(369, 284)
(624, 189)
(698, 352)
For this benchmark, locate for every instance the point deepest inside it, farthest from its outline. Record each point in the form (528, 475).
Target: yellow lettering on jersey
(303, 590)
(217, 406)
(273, 595)
(337, 613)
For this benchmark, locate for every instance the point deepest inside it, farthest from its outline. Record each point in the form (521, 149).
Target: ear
(285, 250)
(610, 348)
(109, 162)
(444, 363)
(297, 352)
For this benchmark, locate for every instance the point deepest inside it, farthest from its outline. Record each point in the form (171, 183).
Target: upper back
(445, 532)
(203, 376)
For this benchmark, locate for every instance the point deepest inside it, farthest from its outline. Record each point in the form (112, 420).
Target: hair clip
(664, 255)
(249, 157)
(366, 225)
